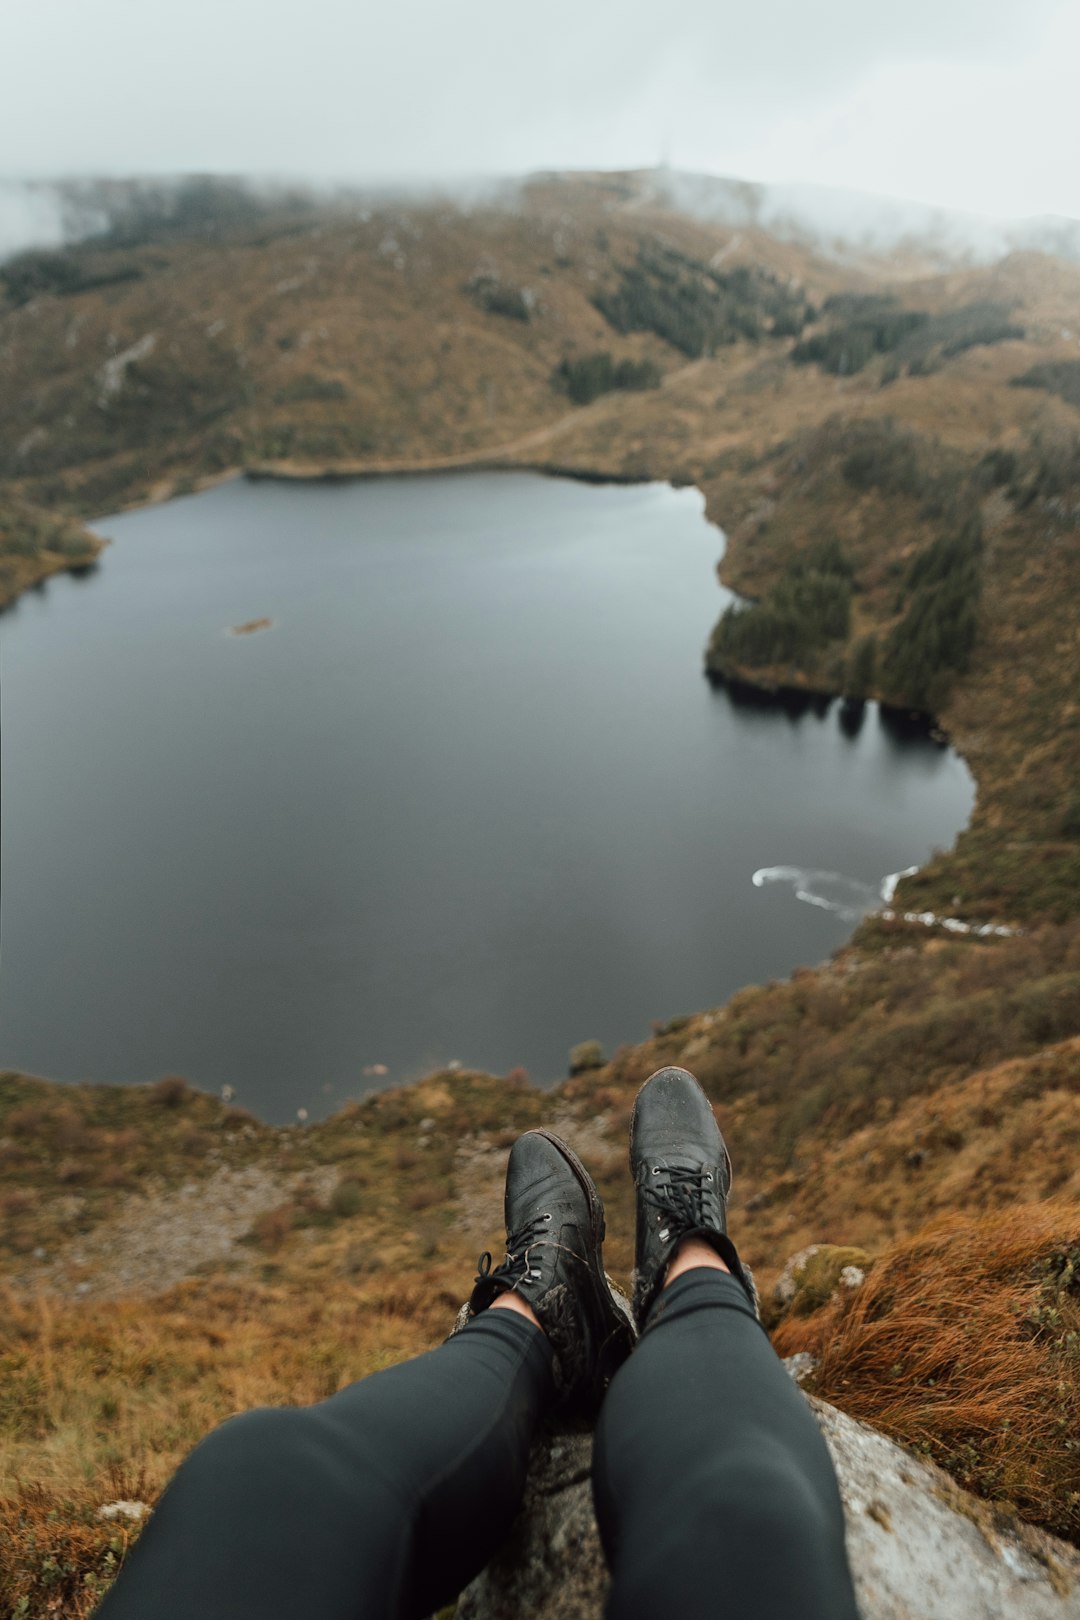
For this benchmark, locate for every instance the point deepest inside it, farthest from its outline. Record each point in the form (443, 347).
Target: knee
(255, 1447)
(772, 1503)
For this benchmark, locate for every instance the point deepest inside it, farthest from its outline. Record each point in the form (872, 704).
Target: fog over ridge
(46, 213)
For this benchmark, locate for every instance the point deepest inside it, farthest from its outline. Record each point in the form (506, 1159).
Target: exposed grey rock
(122, 1510)
(787, 1283)
(920, 1547)
(550, 1567)
(801, 1365)
(923, 1549)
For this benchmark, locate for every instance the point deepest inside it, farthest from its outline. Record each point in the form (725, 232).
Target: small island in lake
(251, 626)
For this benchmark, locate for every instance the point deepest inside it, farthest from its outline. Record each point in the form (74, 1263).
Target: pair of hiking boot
(555, 1230)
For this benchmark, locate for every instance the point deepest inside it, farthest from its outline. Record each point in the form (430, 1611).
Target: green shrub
(885, 459)
(693, 307)
(308, 386)
(346, 1199)
(586, 1055)
(789, 322)
(590, 376)
(64, 273)
(864, 325)
(497, 298)
(1061, 377)
(998, 467)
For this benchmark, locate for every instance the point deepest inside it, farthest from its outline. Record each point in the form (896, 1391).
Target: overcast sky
(964, 103)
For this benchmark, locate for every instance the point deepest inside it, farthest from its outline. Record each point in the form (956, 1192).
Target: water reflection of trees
(791, 701)
(901, 726)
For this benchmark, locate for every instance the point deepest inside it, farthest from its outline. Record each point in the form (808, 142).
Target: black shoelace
(516, 1266)
(681, 1197)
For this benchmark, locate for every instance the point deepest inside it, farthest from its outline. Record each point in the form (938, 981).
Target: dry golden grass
(964, 1342)
(101, 1402)
(330, 1287)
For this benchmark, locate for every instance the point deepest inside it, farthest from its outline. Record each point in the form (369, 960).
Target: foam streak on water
(851, 898)
(831, 891)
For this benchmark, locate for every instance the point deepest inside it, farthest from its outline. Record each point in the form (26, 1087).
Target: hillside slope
(897, 466)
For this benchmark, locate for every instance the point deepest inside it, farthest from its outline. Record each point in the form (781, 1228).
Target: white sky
(962, 103)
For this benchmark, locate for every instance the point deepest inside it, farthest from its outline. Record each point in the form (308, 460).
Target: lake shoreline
(600, 595)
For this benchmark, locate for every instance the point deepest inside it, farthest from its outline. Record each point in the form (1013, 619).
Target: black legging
(714, 1491)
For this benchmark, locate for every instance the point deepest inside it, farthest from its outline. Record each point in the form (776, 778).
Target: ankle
(521, 1307)
(690, 1254)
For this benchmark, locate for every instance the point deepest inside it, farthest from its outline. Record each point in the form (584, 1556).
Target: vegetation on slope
(1061, 377)
(806, 610)
(585, 377)
(968, 612)
(859, 1101)
(964, 1341)
(862, 326)
(312, 337)
(35, 544)
(923, 610)
(696, 308)
(915, 542)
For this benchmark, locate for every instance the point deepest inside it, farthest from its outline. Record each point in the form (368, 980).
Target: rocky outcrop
(920, 1548)
(550, 1567)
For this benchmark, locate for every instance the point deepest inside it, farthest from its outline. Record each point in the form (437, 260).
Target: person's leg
(714, 1490)
(715, 1493)
(383, 1501)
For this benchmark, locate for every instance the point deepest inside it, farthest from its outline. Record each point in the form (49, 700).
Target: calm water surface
(468, 798)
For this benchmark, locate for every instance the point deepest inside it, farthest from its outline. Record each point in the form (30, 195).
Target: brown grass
(964, 1341)
(101, 1402)
(273, 1227)
(332, 1287)
(170, 1091)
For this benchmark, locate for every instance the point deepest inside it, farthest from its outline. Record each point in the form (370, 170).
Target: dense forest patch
(698, 309)
(862, 326)
(590, 375)
(1061, 377)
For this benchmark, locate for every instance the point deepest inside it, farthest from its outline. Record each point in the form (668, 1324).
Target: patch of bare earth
(160, 1237)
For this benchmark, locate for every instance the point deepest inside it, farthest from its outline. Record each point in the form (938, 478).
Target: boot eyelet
(656, 1169)
(545, 1217)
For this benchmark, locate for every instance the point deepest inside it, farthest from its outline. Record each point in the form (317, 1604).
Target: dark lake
(469, 796)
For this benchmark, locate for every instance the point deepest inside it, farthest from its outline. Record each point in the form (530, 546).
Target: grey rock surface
(923, 1549)
(920, 1547)
(550, 1567)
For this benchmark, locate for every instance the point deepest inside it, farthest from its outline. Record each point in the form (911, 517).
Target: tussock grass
(964, 1342)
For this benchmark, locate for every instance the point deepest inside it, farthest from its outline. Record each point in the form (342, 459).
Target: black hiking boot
(682, 1173)
(554, 1261)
